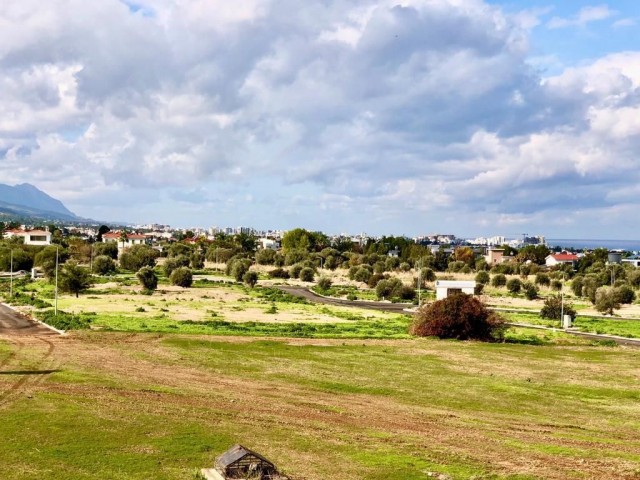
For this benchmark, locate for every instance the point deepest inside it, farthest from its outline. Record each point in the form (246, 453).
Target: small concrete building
(494, 256)
(444, 288)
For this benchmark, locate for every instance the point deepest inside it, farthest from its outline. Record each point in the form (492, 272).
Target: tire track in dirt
(27, 379)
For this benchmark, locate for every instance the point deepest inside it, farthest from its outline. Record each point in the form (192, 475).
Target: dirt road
(30, 361)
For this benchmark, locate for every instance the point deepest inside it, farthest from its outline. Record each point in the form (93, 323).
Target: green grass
(154, 406)
(620, 327)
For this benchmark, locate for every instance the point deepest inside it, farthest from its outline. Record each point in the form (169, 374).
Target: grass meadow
(156, 386)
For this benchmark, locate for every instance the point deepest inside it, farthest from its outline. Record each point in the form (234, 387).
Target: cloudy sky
(403, 116)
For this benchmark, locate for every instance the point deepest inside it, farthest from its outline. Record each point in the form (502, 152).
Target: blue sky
(388, 117)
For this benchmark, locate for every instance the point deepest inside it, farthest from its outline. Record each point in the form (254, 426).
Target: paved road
(312, 297)
(399, 308)
(12, 323)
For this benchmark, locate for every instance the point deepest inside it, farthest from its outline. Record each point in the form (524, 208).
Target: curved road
(12, 323)
(399, 308)
(312, 297)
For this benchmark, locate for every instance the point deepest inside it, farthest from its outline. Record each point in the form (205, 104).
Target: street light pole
(419, 282)
(55, 310)
(11, 277)
(562, 302)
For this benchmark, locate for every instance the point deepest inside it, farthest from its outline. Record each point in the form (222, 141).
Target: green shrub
(324, 283)
(514, 285)
(279, 273)
(482, 277)
(147, 278)
(250, 278)
(607, 300)
(65, 321)
(307, 274)
(625, 294)
(530, 291)
(554, 306)
(181, 277)
(499, 280)
(103, 265)
(543, 279)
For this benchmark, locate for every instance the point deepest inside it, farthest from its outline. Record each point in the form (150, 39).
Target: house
(444, 288)
(241, 463)
(561, 259)
(268, 243)
(633, 260)
(494, 256)
(31, 237)
(132, 239)
(395, 253)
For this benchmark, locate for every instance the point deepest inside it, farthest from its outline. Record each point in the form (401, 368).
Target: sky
(405, 117)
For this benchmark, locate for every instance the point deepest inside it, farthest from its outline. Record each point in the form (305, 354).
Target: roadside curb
(60, 332)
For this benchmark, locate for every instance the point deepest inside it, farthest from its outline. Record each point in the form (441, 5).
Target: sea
(582, 243)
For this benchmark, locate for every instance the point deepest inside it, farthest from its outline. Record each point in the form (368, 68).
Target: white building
(444, 288)
(132, 239)
(31, 237)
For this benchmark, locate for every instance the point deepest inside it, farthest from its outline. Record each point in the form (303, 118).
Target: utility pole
(55, 310)
(562, 302)
(419, 262)
(11, 277)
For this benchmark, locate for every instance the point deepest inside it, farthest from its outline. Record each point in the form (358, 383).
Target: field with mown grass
(140, 406)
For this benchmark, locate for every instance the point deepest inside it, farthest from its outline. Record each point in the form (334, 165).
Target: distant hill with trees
(27, 201)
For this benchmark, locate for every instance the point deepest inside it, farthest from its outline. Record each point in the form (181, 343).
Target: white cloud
(583, 17)
(400, 106)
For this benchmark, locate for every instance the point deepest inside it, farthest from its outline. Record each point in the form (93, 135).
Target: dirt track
(34, 343)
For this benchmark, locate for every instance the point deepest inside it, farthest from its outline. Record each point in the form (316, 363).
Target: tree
(138, 256)
(181, 277)
(482, 277)
(103, 265)
(576, 285)
(543, 279)
(499, 280)
(171, 263)
(101, 231)
(109, 248)
(237, 267)
(265, 256)
(46, 259)
(514, 285)
(461, 316)
(74, 279)
(303, 240)
(147, 278)
(554, 306)
(306, 274)
(389, 288)
(250, 278)
(606, 300)
(530, 291)
(625, 294)
(465, 255)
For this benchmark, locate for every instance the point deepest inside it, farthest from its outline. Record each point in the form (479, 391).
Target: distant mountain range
(25, 200)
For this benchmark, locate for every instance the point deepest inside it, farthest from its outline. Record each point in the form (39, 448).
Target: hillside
(25, 200)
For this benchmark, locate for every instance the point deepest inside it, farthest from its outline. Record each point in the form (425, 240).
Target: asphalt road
(399, 308)
(312, 297)
(12, 323)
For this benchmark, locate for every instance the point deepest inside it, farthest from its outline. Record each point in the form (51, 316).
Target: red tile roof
(565, 257)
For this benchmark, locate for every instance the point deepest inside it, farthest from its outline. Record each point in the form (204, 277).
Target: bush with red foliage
(460, 316)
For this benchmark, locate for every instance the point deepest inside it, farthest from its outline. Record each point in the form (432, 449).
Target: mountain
(27, 200)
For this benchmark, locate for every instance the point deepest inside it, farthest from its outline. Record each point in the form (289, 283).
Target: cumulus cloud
(390, 106)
